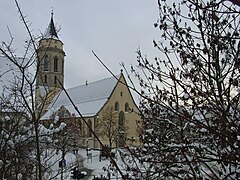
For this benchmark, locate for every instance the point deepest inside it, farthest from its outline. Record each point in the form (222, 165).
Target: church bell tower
(50, 62)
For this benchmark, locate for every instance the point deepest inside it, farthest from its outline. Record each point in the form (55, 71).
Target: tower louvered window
(46, 63)
(45, 79)
(55, 64)
(55, 79)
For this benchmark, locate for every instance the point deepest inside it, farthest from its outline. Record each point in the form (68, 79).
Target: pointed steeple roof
(51, 30)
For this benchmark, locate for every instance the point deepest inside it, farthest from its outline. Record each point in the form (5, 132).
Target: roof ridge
(82, 102)
(93, 82)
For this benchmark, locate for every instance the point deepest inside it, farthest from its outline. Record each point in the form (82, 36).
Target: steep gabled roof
(89, 98)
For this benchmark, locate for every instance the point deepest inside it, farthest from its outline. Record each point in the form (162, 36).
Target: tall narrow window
(55, 64)
(121, 118)
(45, 79)
(95, 122)
(46, 63)
(116, 107)
(126, 107)
(89, 132)
(62, 66)
(121, 129)
(55, 79)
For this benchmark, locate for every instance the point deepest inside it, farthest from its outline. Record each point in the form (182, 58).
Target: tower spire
(51, 30)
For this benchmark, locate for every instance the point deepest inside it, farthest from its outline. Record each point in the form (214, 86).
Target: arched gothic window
(116, 107)
(126, 107)
(45, 63)
(121, 119)
(121, 129)
(89, 132)
(55, 64)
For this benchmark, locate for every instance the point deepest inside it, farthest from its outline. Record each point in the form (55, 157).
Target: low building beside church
(106, 105)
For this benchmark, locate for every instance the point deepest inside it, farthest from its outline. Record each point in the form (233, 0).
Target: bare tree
(15, 144)
(108, 125)
(67, 135)
(19, 97)
(190, 94)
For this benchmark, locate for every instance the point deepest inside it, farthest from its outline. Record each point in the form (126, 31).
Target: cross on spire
(52, 13)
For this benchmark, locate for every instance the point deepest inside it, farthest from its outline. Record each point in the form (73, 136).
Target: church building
(106, 105)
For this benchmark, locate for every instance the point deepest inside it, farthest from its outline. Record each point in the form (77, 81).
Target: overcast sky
(113, 29)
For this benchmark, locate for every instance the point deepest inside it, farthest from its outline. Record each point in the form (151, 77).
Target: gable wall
(123, 96)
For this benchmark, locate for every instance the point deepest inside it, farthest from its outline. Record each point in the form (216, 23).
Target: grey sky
(113, 29)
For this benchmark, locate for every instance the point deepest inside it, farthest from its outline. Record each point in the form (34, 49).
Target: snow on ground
(90, 164)
(53, 162)
(94, 163)
(80, 160)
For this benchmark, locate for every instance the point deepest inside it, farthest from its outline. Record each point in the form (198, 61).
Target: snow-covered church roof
(88, 98)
